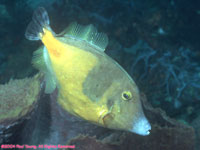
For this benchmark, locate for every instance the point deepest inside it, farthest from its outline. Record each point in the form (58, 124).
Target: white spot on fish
(141, 127)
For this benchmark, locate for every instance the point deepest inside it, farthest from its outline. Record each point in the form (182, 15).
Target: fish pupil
(126, 96)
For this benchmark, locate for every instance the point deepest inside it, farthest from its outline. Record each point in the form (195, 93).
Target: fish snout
(141, 126)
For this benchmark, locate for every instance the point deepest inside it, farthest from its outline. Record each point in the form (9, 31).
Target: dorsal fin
(89, 34)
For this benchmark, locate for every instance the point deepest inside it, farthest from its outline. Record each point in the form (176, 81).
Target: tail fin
(40, 20)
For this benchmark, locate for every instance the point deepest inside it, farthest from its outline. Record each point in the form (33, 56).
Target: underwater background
(156, 42)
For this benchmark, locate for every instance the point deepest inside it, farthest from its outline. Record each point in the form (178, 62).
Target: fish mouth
(141, 127)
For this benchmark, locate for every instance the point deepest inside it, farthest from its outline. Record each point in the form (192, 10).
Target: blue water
(157, 42)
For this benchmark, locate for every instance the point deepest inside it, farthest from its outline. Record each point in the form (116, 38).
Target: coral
(18, 99)
(181, 73)
(17, 96)
(143, 52)
(175, 76)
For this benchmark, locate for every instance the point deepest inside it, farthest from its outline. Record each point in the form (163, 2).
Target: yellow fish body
(91, 85)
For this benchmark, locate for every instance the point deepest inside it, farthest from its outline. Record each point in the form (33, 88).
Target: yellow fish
(90, 84)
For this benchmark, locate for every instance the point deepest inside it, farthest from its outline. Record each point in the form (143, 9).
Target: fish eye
(126, 95)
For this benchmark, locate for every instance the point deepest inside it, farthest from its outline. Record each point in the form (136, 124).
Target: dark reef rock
(196, 125)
